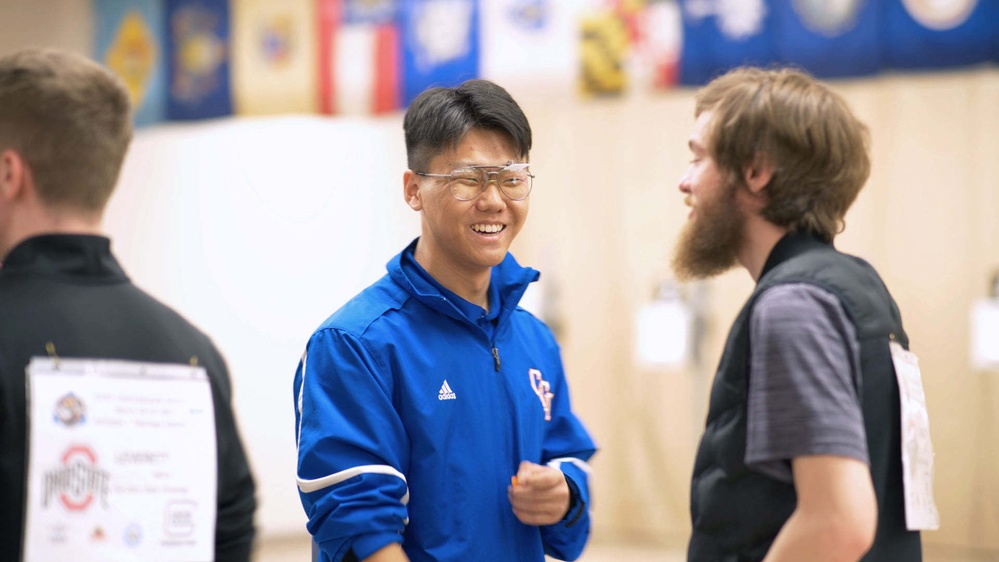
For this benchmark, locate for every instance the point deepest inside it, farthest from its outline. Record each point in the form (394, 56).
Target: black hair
(440, 117)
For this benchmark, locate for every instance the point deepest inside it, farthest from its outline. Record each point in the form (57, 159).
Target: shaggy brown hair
(819, 150)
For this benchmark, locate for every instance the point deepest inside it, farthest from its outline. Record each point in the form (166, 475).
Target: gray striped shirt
(804, 375)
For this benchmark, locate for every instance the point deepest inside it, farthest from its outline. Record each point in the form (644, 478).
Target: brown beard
(709, 244)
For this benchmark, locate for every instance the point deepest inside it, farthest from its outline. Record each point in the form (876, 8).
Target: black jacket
(69, 290)
(736, 512)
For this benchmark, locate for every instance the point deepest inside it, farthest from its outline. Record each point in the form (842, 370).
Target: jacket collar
(65, 255)
(791, 245)
(509, 280)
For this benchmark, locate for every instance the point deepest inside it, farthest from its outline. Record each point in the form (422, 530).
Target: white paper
(985, 335)
(662, 331)
(917, 450)
(122, 462)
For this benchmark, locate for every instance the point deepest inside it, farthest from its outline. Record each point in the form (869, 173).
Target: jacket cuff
(577, 505)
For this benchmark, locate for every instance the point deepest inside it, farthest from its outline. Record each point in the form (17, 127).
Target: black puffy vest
(736, 513)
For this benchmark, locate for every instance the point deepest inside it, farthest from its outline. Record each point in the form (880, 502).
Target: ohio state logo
(78, 481)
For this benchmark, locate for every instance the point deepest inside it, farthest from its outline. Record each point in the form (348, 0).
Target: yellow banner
(274, 60)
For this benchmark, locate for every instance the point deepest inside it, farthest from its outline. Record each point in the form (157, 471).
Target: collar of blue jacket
(509, 281)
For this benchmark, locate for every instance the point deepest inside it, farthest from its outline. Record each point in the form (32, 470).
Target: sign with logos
(122, 462)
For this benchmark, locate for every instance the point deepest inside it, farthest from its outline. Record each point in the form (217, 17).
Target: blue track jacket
(411, 420)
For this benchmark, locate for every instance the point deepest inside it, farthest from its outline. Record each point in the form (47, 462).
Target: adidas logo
(446, 393)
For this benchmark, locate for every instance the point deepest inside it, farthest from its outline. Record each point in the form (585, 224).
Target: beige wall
(606, 213)
(66, 24)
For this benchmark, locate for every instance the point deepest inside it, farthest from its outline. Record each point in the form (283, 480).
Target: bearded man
(801, 457)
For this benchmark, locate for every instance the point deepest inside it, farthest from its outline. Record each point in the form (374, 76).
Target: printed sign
(917, 450)
(122, 462)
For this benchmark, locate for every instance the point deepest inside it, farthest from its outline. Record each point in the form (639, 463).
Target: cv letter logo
(543, 390)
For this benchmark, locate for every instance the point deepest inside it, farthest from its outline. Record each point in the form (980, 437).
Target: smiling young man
(801, 455)
(433, 415)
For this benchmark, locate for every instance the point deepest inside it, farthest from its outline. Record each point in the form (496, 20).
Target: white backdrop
(256, 230)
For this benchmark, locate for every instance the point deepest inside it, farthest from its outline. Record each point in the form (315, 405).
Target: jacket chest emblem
(543, 390)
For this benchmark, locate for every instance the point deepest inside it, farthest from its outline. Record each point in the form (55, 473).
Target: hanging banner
(359, 56)
(923, 34)
(994, 18)
(197, 40)
(129, 40)
(719, 35)
(274, 56)
(514, 32)
(657, 40)
(830, 39)
(603, 49)
(440, 40)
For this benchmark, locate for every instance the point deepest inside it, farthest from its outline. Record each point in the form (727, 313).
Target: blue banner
(926, 35)
(717, 38)
(829, 39)
(994, 18)
(129, 40)
(440, 40)
(198, 69)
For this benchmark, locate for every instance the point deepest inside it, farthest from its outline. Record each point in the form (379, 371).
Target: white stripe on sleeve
(581, 464)
(308, 486)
